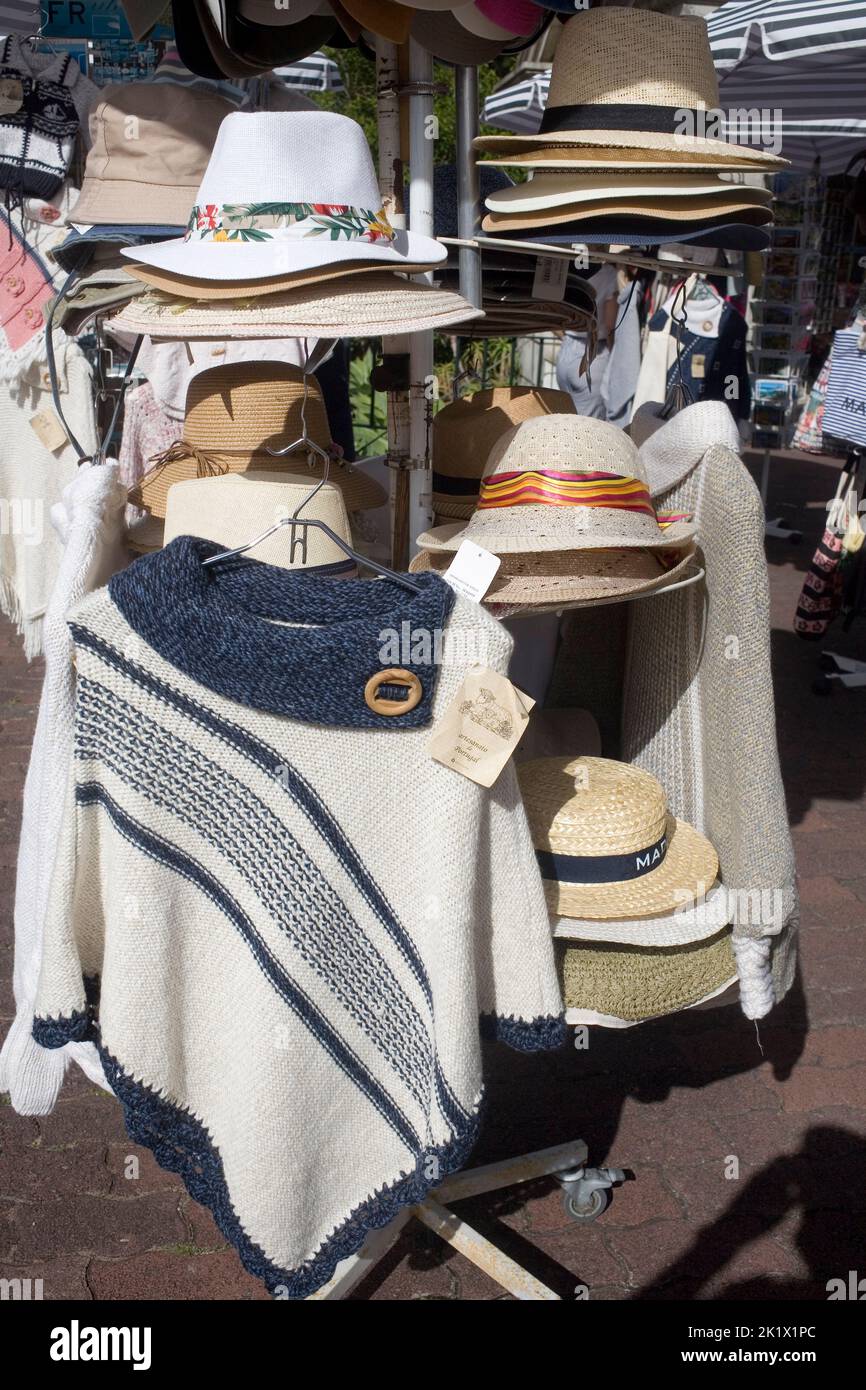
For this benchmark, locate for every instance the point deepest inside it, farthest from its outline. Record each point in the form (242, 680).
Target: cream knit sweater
(294, 918)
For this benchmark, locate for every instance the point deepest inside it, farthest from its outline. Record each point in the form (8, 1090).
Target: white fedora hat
(562, 482)
(287, 191)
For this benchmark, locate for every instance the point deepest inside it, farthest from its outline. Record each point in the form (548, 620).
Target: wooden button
(393, 676)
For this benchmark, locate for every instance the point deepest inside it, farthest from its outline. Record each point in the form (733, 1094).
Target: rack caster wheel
(589, 1210)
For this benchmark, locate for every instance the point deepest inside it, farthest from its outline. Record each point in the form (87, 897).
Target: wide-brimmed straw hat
(152, 179)
(286, 191)
(616, 159)
(464, 432)
(563, 482)
(634, 983)
(234, 508)
(574, 577)
(606, 844)
(234, 414)
(632, 77)
(562, 189)
(673, 210)
(375, 306)
(184, 287)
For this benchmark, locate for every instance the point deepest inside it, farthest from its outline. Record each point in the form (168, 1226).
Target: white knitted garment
(89, 522)
(32, 479)
(296, 916)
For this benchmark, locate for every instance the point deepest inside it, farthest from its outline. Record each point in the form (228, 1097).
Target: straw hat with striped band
(465, 431)
(234, 413)
(376, 306)
(632, 78)
(574, 577)
(606, 844)
(563, 482)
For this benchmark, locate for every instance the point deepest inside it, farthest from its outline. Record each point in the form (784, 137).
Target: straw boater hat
(606, 844)
(464, 432)
(234, 413)
(237, 507)
(632, 983)
(286, 191)
(376, 306)
(574, 577)
(562, 482)
(625, 77)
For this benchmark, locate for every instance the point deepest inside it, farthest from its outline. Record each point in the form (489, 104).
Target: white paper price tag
(472, 571)
(551, 274)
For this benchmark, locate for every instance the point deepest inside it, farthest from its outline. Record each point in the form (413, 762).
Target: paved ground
(670, 1101)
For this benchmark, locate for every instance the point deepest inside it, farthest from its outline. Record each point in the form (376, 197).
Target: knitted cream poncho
(294, 918)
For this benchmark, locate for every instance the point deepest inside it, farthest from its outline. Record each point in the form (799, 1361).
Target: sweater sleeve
(519, 997)
(62, 1009)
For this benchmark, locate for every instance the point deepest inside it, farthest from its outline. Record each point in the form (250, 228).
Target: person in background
(586, 390)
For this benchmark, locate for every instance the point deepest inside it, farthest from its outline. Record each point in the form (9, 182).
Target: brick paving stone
(62, 1279)
(667, 1101)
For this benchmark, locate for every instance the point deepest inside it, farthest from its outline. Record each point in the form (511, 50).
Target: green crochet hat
(637, 982)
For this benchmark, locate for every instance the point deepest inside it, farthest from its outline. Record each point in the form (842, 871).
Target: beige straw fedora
(562, 188)
(234, 413)
(374, 306)
(563, 482)
(747, 205)
(465, 430)
(607, 846)
(236, 507)
(602, 159)
(185, 288)
(632, 78)
(574, 577)
(634, 983)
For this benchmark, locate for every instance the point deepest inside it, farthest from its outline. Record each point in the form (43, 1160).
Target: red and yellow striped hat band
(541, 487)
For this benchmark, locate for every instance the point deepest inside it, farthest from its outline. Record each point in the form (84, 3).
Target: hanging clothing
(587, 388)
(29, 277)
(33, 475)
(89, 524)
(620, 379)
(713, 361)
(303, 1047)
(147, 431)
(18, 54)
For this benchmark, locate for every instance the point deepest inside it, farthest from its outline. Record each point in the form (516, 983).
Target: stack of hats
(288, 237)
(464, 432)
(564, 502)
(631, 885)
(468, 34)
(523, 294)
(235, 416)
(623, 155)
(150, 147)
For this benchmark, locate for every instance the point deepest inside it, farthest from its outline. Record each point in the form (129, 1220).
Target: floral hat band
(246, 222)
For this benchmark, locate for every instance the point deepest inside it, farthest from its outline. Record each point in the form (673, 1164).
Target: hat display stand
(405, 89)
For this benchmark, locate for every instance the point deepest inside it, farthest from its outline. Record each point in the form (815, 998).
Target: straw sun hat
(370, 305)
(188, 287)
(286, 191)
(607, 846)
(574, 577)
(562, 482)
(625, 77)
(233, 414)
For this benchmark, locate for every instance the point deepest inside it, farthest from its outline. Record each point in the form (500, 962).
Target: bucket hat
(234, 413)
(464, 432)
(632, 983)
(626, 77)
(606, 843)
(287, 191)
(80, 247)
(376, 306)
(554, 578)
(562, 482)
(151, 179)
(231, 509)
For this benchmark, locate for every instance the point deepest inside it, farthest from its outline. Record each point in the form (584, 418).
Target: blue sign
(90, 19)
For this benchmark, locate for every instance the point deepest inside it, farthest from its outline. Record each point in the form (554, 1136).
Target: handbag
(821, 595)
(845, 403)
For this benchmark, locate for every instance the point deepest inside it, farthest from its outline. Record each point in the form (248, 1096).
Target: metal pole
(466, 95)
(421, 150)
